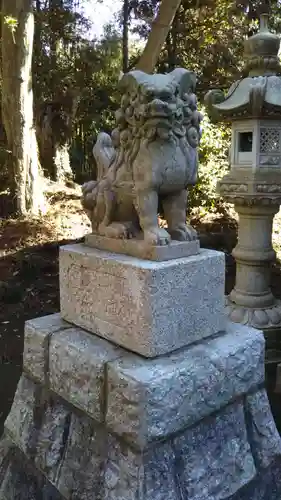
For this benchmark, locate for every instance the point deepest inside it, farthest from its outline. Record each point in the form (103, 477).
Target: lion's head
(164, 102)
(156, 107)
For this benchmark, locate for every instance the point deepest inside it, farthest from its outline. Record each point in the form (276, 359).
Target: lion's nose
(158, 106)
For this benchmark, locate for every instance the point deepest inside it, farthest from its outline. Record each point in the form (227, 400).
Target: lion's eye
(165, 96)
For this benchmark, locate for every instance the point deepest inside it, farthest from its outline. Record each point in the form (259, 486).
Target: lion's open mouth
(160, 114)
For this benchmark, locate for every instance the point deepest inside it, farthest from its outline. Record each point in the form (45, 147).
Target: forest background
(59, 62)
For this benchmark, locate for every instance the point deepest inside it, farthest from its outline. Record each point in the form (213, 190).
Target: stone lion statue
(150, 157)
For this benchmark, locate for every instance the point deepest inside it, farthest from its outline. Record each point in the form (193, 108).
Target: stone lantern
(253, 184)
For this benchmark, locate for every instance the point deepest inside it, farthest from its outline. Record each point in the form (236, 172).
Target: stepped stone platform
(183, 417)
(90, 420)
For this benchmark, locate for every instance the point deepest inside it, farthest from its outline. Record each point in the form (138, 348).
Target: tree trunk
(17, 107)
(55, 8)
(125, 40)
(158, 34)
(58, 140)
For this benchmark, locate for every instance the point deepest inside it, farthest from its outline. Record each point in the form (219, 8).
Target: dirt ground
(29, 276)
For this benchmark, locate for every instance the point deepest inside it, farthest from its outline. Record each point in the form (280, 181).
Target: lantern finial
(261, 50)
(264, 18)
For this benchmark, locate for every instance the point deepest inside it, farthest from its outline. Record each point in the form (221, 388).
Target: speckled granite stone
(147, 399)
(150, 399)
(77, 369)
(210, 461)
(83, 460)
(67, 446)
(130, 475)
(20, 421)
(53, 451)
(38, 425)
(150, 308)
(81, 473)
(94, 420)
(265, 486)
(215, 456)
(264, 437)
(21, 480)
(37, 333)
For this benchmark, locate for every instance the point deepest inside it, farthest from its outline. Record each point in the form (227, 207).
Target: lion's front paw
(183, 233)
(157, 236)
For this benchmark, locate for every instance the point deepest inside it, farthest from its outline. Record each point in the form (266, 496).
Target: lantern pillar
(251, 301)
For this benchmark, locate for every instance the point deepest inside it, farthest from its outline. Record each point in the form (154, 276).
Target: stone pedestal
(91, 419)
(251, 301)
(148, 307)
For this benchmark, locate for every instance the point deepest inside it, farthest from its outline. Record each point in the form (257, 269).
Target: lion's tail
(104, 153)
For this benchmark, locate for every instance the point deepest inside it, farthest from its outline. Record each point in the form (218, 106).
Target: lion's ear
(130, 81)
(186, 80)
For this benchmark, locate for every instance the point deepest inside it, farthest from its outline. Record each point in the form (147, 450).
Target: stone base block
(143, 400)
(151, 308)
(129, 476)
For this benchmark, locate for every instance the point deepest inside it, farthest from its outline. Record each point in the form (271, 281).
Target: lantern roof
(259, 94)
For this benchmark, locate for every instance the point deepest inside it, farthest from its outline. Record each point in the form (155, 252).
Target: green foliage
(75, 78)
(98, 100)
(74, 81)
(213, 164)
(207, 37)
(12, 24)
